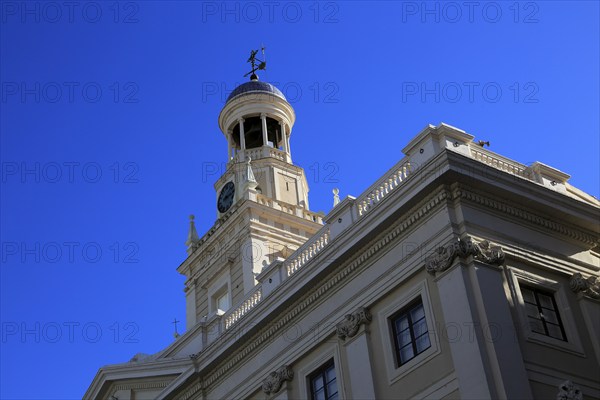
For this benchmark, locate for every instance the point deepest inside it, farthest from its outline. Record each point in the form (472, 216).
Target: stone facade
(459, 274)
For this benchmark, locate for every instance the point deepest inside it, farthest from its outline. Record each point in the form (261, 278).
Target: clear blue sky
(109, 139)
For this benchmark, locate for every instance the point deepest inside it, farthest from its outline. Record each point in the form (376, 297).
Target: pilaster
(354, 334)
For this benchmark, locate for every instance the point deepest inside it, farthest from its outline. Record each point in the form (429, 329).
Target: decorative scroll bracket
(589, 287)
(273, 383)
(568, 391)
(350, 326)
(483, 251)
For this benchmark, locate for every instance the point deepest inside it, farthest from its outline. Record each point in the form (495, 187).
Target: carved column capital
(350, 326)
(272, 384)
(568, 391)
(590, 286)
(483, 251)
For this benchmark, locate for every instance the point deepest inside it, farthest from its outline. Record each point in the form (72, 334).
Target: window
(222, 302)
(323, 385)
(539, 301)
(411, 336)
(542, 312)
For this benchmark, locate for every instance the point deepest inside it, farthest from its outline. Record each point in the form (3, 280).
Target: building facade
(459, 274)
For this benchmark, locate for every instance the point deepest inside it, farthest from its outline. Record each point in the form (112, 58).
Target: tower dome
(254, 86)
(257, 122)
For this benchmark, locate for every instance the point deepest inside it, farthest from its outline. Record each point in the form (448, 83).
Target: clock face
(226, 197)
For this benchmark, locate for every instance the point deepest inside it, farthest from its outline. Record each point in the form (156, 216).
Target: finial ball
(192, 217)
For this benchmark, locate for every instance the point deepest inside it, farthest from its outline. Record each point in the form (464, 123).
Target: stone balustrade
(307, 251)
(499, 162)
(258, 153)
(248, 303)
(384, 186)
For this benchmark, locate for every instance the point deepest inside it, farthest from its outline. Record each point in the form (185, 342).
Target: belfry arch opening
(253, 133)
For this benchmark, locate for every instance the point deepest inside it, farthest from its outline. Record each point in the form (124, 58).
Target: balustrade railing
(250, 301)
(384, 186)
(307, 251)
(499, 162)
(259, 152)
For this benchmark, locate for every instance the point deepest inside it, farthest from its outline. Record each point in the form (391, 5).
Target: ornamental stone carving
(350, 326)
(568, 391)
(272, 384)
(588, 286)
(483, 251)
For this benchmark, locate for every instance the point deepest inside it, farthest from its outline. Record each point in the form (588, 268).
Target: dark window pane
(402, 323)
(318, 382)
(528, 295)
(406, 353)
(422, 343)
(555, 331)
(330, 374)
(545, 301)
(537, 325)
(319, 395)
(404, 338)
(417, 313)
(532, 310)
(420, 327)
(332, 388)
(550, 316)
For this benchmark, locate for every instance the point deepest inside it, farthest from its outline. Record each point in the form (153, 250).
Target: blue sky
(109, 138)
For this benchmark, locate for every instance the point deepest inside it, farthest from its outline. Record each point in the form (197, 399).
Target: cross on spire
(175, 321)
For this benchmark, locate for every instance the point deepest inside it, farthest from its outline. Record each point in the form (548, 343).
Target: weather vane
(262, 65)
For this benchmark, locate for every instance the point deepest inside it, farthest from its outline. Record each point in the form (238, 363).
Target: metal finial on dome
(262, 65)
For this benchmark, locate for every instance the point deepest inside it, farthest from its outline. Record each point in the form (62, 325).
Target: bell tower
(261, 202)
(257, 122)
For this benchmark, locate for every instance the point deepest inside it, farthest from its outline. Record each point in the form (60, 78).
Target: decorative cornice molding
(350, 326)
(412, 217)
(191, 391)
(525, 215)
(483, 251)
(568, 391)
(140, 386)
(273, 383)
(589, 287)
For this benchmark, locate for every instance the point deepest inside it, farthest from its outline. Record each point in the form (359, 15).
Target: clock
(225, 199)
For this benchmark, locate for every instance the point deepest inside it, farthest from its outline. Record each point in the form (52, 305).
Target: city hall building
(459, 274)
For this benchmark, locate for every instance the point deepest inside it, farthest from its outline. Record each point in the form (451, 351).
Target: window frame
(221, 286)
(331, 351)
(518, 277)
(322, 372)
(408, 296)
(540, 309)
(407, 311)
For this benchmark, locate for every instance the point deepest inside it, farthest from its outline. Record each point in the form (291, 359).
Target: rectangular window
(223, 302)
(542, 312)
(411, 335)
(323, 385)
